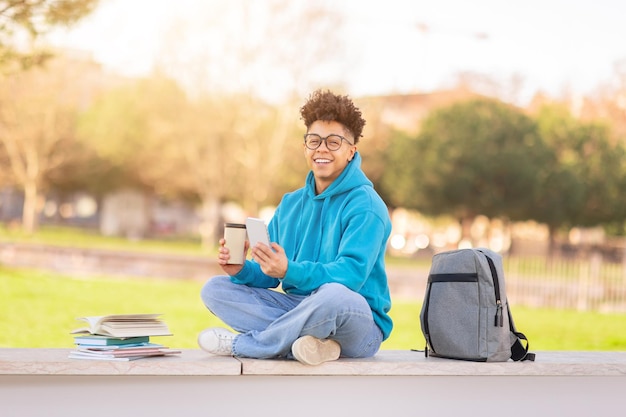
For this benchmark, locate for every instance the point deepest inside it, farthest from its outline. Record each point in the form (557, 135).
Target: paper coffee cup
(235, 237)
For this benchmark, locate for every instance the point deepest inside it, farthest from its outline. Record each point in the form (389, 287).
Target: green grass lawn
(39, 309)
(84, 238)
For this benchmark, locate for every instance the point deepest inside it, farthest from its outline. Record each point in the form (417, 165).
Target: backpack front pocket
(453, 320)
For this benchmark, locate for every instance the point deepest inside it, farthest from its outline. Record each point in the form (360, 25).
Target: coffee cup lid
(235, 225)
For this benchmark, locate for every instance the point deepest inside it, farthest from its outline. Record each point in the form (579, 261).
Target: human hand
(224, 256)
(272, 260)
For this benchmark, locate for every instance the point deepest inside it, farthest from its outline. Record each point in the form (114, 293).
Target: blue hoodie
(338, 236)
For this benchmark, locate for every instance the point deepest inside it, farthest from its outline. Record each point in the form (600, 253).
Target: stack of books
(120, 337)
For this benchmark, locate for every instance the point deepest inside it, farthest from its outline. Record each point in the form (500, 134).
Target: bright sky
(407, 46)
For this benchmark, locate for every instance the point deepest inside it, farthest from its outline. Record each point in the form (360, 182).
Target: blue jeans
(270, 321)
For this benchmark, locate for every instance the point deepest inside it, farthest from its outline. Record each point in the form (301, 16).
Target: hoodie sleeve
(252, 276)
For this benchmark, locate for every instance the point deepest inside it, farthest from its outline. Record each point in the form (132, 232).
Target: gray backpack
(465, 314)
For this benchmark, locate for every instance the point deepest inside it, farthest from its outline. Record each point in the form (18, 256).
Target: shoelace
(224, 344)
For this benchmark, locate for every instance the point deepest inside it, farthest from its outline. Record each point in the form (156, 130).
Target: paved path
(404, 282)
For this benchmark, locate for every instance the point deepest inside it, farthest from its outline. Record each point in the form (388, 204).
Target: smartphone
(257, 231)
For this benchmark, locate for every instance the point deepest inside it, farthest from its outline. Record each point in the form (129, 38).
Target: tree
(223, 151)
(609, 102)
(23, 21)
(38, 112)
(136, 127)
(584, 182)
(474, 157)
(27, 133)
(603, 173)
(236, 141)
(228, 150)
(242, 47)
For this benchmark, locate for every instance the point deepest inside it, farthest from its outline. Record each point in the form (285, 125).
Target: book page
(95, 323)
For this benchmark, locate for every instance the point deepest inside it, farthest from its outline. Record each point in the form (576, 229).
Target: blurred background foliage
(185, 138)
(68, 126)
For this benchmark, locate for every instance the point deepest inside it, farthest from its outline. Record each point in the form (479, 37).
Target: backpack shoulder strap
(519, 350)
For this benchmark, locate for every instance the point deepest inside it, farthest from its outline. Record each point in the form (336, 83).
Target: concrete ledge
(408, 363)
(44, 382)
(385, 363)
(56, 362)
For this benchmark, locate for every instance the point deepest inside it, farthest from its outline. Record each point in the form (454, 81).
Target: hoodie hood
(351, 177)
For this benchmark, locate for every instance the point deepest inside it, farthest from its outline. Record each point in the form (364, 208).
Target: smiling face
(328, 165)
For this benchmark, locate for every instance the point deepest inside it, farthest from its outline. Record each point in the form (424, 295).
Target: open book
(130, 353)
(124, 325)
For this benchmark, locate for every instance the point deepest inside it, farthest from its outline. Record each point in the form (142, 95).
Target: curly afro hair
(326, 106)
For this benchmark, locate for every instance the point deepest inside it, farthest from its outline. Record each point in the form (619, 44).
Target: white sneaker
(310, 350)
(217, 340)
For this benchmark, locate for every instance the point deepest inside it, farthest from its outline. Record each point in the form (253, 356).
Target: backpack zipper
(498, 320)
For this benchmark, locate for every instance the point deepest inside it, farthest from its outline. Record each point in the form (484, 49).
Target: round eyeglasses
(333, 142)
